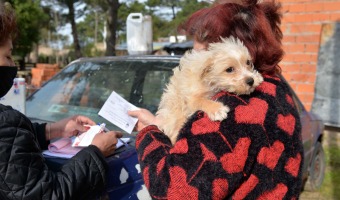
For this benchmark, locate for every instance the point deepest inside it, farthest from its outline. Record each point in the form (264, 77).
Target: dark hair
(256, 24)
(8, 25)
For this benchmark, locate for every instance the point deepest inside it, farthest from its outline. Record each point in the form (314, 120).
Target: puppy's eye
(248, 62)
(229, 69)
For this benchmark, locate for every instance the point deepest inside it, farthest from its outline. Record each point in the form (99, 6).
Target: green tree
(92, 29)
(110, 7)
(74, 11)
(180, 10)
(71, 18)
(30, 18)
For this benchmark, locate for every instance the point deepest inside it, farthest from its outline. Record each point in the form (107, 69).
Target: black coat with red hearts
(255, 153)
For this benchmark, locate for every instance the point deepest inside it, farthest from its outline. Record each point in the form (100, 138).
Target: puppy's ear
(207, 67)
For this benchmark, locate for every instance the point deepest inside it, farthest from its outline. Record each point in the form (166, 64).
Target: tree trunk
(111, 27)
(71, 17)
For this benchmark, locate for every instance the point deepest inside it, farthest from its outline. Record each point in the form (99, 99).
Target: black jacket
(24, 173)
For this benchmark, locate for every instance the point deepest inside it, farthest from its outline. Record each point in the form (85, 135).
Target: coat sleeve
(39, 130)
(25, 175)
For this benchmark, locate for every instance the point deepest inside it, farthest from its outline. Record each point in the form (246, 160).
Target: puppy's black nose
(250, 81)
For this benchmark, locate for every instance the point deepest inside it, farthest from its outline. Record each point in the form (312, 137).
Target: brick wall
(301, 26)
(43, 72)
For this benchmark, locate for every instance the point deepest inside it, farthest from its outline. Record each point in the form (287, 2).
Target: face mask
(7, 75)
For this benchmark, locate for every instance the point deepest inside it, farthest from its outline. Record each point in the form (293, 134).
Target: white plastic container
(139, 34)
(16, 96)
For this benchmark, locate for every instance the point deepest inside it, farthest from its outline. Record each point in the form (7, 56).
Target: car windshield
(83, 87)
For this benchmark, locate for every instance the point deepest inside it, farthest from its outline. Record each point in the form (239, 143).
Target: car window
(153, 87)
(83, 87)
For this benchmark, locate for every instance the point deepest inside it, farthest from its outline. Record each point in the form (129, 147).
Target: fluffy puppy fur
(200, 75)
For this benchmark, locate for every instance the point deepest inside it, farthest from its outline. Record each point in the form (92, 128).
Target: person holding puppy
(23, 171)
(256, 152)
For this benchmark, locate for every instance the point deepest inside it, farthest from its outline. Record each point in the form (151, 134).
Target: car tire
(317, 169)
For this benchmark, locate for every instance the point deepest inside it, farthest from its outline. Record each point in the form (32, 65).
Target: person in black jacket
(23, 171)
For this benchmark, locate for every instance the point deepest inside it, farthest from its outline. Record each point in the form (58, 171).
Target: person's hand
(68, 127)
(145, 118)
(106, 141)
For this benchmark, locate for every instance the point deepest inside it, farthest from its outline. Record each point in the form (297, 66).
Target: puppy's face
(231, 69)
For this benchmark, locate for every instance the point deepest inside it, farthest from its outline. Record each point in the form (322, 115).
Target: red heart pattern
(234, 162)
(160, 165)
(267, 88)
(289, 99)
(253, 113)
(277, 193)
(151, 147)
(246, 187)
(293, 165)
(204, 126)
(270, 156)
(286, 123)
(179, 188)
(207, 154)
(146, 177)
(180, 147)
(219, 189)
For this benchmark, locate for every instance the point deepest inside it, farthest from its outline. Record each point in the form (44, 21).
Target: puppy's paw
(219, 112)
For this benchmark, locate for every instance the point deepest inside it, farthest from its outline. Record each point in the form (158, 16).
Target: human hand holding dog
(106, 141)
(145, 118)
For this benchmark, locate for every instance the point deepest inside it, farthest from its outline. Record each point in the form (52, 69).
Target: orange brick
(49, 72)
(314, 7)
(334, 16)
(46, 65)
(300, 58)
(296, 8)
(294, 48)
(288, 18)
(293, 85)
(303, 17)
(290, 68)
(286, 75)
(312, 78)
(305, 28)
(331, 6)
(305, 88)
(308, 68)
(321, 17)
(312, 48)
(289, 39)
(36, 83)
(36, 72)
(300, 77)
(306, 97)
(313, 38)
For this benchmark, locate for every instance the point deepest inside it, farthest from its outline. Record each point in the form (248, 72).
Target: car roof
(128, 57)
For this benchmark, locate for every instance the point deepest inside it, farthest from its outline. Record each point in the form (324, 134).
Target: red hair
(256, 24)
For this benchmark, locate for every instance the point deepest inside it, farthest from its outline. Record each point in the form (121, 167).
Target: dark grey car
(83, 86)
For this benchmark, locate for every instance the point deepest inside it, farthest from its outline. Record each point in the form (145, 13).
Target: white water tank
(139, 34)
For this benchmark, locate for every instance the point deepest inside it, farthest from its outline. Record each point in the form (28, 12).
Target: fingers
(118, 134)
(81, 128)
(134, 113)
(84, 120)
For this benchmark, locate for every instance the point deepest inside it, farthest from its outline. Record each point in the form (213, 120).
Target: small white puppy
(225, 66)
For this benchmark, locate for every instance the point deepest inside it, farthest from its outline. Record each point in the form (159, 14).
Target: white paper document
(115, 111)
(85, 139)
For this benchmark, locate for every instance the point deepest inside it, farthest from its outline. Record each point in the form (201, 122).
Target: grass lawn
(330, 189)
(331, 186)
